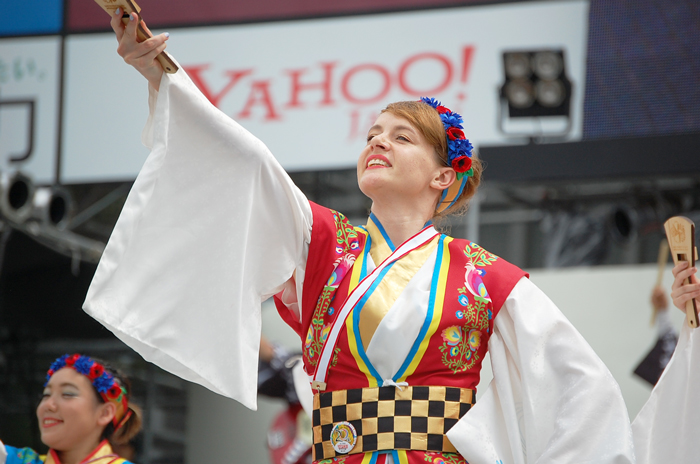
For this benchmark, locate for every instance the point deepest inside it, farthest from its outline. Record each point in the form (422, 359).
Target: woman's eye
(370, 137)
(403, 137)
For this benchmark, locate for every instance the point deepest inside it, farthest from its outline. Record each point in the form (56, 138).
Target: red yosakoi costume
(451, 288)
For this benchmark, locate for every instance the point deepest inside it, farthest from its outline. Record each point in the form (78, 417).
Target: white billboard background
(310, 89)
(29, 72)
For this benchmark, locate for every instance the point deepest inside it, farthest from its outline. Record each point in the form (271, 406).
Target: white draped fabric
(668, 426)
(194, 253)
(213, 226)
(551, 400)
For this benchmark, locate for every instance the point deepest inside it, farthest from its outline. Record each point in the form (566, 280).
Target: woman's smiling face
(397, 160)
(69, 412)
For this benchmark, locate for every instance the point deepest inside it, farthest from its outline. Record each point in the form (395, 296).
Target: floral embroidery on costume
(459, 347)
(318, 330)
(478, 255)
(461, 343)
(25, 456)
(335, 460)
(445, 458)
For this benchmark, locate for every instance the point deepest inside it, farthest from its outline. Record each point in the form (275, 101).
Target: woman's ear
(106, 414)
(444, 177)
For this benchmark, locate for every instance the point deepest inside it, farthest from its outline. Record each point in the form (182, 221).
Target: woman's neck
(79, 453)
(401, 224)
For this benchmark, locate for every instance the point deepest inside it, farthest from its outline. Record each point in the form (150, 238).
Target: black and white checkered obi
(387, 418)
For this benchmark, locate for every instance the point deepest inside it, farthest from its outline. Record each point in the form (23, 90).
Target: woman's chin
(371, 184)
(51, 440)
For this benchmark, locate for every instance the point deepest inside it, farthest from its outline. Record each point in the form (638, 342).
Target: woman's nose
(49, 403)
(379, 141)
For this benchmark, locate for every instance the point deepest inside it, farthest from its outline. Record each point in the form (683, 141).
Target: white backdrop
(29, 70)
(310, 89)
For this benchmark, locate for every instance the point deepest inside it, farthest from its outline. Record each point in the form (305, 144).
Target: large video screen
(643, 69)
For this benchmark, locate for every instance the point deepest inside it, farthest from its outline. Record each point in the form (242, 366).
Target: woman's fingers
(140, 55)
(682, 272)
(145, 52)
(148, 58)
(682, 290)
(684, 294)
(131, 27)
(127, 40)
(679, 267)
(117, 24)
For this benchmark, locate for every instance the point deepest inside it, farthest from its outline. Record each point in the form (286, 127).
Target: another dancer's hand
(141, 56)
(659, 300)
(681, 290)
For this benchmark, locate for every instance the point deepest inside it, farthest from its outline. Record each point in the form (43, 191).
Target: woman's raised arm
(213, 226)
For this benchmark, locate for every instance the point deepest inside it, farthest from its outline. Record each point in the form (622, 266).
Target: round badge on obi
(343, 437)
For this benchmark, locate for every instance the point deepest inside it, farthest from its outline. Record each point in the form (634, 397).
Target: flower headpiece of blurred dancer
(106, 385)
(459, 152)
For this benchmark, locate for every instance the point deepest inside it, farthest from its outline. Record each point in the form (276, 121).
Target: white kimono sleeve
(552, 400)
(667, 428)
(212, 227)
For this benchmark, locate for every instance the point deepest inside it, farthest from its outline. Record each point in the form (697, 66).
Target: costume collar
(380, 238)
(102, 454)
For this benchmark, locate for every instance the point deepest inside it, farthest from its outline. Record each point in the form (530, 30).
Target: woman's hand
(141, 56)
(681, 290)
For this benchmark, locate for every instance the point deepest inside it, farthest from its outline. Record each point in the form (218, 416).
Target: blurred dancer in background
(654, 363)
(84, 409)
(289, 438)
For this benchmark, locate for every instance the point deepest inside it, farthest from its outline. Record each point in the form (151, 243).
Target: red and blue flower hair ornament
(459, 153)
(105, 383)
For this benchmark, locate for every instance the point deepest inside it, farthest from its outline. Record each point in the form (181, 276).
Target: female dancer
(83, 411)
(394, 317)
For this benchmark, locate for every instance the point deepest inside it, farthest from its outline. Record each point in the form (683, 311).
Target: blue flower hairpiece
(459, 149)
(459, 153)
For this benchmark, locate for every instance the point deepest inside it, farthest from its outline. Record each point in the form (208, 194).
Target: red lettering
(425, 56)
(195, 72)
(359, 123)
(354, 124)
(467, 55)
(345, 84)
(260, 94)
(324, 86)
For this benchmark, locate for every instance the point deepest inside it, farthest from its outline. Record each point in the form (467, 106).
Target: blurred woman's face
(69, 412)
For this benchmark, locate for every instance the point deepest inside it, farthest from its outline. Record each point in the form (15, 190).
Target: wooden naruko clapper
(680, 233)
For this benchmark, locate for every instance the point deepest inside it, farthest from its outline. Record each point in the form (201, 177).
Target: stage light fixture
(550, 93)
(16, 193)
(520, 93)
(53, 206)
(547, 65)
(535, 84)
(517, 65)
